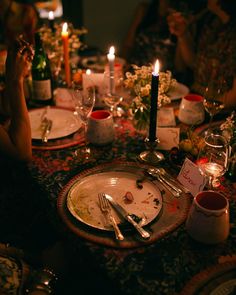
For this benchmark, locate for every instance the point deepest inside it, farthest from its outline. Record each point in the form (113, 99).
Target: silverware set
(168, 182)
(106, 210)
(46, 125)
(104, 202)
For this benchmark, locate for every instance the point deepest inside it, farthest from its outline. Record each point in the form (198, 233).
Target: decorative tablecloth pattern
(163, 267)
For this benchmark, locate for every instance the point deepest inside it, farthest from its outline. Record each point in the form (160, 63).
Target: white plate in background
(64, 122)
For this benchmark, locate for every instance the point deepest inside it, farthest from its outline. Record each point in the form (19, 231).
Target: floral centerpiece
(52, 42)
(229, 129)
(139, 83)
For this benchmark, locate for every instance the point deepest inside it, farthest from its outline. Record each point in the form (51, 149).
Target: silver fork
(106, 209)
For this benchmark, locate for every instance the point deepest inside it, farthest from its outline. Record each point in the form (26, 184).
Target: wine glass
(213, 158)
(214, 99)
(113, 89)
(84, 102)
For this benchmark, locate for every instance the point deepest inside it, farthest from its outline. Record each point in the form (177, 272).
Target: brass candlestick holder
(151, 156)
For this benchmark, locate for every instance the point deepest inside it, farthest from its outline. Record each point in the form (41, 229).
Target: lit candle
(65, 41)
(88, 72)
(154, 103)
(111, 59)
(51, 20)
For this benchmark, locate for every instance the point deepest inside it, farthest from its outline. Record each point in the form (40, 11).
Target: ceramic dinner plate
(178, 91)
(82, 199)
(64, 122)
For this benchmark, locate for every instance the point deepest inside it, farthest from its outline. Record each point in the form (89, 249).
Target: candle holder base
(151, 155)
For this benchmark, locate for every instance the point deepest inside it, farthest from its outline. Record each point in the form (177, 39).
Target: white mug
(191, 110)
(208, 218)
(100, 128)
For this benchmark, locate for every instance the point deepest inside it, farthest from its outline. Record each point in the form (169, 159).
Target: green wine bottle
(41, 75)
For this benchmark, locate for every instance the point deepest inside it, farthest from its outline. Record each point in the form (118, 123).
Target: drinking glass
(113, 89)
(84, 102)
(214, 99)
(213, 158)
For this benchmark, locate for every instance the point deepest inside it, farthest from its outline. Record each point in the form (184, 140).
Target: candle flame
(112, 50)
(88, 72)
(156, 67)
(51, 15)
(64, 28)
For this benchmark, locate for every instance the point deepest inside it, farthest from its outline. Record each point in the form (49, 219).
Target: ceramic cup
(100, 127)
(208, 218)
(191, 110)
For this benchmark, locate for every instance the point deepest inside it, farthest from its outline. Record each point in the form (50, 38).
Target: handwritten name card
(191, 177)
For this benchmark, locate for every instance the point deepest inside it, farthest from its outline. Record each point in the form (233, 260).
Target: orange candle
(65, 41)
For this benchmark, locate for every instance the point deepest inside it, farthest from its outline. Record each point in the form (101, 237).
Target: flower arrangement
(53, 42)
(229, 128)
(139, 82)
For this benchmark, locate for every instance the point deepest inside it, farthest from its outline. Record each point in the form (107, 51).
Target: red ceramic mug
(100, 127)
(191, 110)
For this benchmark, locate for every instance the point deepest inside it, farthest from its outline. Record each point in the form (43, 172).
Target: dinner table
(170, 261)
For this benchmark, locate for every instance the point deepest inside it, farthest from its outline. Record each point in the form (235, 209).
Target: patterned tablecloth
(163, 267)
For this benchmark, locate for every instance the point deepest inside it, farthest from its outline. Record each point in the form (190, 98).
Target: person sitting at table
(212, 53)
(15, 131)
(17, 18)
(149, 38)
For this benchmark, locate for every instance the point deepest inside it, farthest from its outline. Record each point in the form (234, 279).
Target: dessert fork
(106, 209)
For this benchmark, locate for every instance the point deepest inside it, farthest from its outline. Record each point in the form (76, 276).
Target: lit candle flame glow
(51, 15)
(112, 50)
(64, 28)
(156, 67)
(88, 72)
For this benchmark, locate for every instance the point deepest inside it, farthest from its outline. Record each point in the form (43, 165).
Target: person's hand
(177, 24)
(19, 58)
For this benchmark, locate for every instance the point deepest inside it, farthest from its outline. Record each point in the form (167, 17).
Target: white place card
(169, 137)
(166, 117)
(191, 177)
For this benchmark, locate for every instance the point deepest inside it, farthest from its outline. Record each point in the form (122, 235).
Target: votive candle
(154, 102)
(65, 41)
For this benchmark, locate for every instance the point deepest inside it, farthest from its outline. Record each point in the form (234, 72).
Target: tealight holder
(150, 155)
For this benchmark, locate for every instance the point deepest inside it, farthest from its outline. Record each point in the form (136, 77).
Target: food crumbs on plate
(146, 201)
(139, 183)
(128, 198)
(156, 201)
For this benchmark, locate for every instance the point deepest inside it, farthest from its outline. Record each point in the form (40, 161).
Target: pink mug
(208, 218)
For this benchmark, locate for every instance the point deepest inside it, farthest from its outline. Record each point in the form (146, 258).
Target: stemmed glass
(213, 100)
(84, 102)
(113, 89)
(213, 158)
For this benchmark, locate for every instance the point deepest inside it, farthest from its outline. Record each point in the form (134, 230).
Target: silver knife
(127, 216)
(47, 130)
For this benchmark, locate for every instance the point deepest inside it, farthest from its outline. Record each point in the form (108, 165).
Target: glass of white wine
(84, 102)
(214, 100)
(113, 91)
(213, 158)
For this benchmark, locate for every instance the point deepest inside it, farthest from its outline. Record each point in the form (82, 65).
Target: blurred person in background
(149, 37)
(211, 53)
(17, 18)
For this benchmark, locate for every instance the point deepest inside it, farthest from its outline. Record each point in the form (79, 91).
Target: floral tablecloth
(163, 267)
